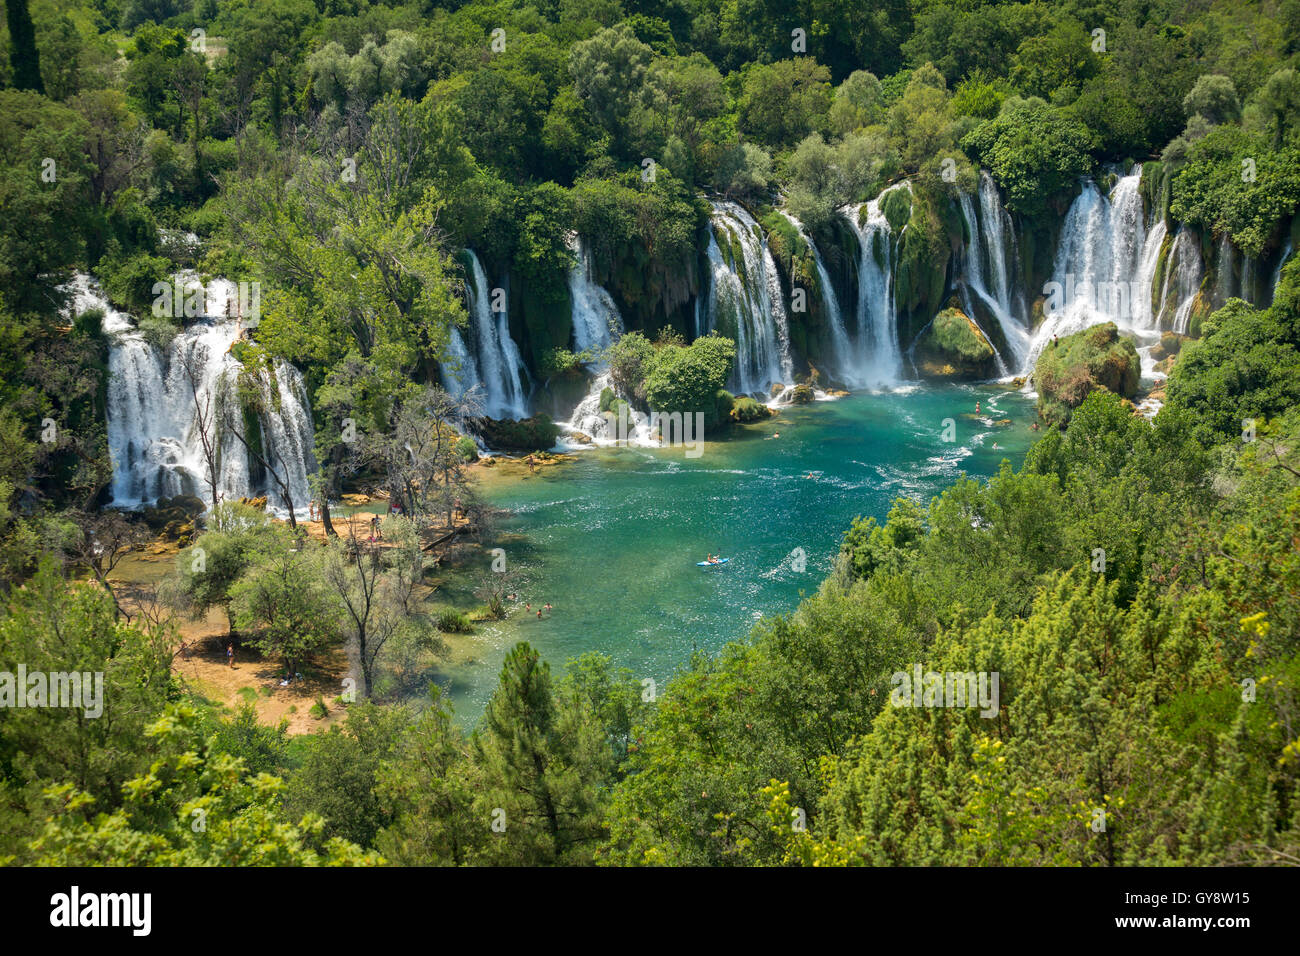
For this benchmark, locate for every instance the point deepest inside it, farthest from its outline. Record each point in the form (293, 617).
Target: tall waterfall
(155, 397)
(1105, 264)
(847, 362)
(990, 269)
(745, 301)
(596, 319)
(597, 324)
(877, 320)
(1182, 279)
(490, 358)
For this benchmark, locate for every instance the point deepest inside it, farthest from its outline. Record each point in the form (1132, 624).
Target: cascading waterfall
(988, 264)
(1183, 277)
(876, 317)
(1277, 273)
(745, 301)
(1105, 265)
(603, 429)
(847, 363)
(596, 319)
(498, 356)
(1225, 281)
(155, 436)
(597, 324)
(459, 370)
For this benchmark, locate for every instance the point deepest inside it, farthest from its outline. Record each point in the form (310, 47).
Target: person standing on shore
(230, 653)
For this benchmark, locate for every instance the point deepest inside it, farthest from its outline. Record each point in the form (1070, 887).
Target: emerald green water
(611, 539)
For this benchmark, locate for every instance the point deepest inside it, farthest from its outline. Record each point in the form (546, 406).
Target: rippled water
(611, 539)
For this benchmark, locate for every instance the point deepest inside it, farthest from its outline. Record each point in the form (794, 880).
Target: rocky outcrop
(1071, 368)
(953, 347)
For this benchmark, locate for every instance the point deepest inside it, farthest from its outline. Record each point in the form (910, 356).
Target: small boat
(711, 564)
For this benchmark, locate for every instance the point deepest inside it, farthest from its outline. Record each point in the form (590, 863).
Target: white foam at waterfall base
(603, 428)
(154, 437)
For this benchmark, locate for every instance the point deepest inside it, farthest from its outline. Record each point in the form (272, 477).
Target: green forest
(1133, 579)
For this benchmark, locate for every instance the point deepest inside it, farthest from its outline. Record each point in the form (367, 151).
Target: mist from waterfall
(155, 438)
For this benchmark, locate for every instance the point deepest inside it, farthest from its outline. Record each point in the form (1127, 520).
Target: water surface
(612, 538)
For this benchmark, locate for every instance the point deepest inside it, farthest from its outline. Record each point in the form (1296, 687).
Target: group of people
(544, 607)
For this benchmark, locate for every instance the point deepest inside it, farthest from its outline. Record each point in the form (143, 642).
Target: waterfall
(877, 323)
(1183, 278)
(155, 437)
(989, 265)
(459, 370)
(1277, 273)
(1225, 281)
(847, 363)
(745, 302)
(597, 324)
(602, 428)
(1105, 265)
(596, 319)
(490, 358)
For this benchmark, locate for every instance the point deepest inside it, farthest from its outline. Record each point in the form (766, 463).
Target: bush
(687, 379)
(451, 621)
(466, 448)
(1034, 151)
(745, 410)
(129, 281)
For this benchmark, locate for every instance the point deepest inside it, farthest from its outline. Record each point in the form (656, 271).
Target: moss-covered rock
(1072, 368)
(1169, 345)
(802, 395)
(954, 347)
(745, 410)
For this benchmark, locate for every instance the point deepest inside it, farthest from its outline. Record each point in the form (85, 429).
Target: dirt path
(257, 681)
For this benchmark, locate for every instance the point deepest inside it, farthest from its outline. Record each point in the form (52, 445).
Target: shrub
(466, 448)
(451, 621)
